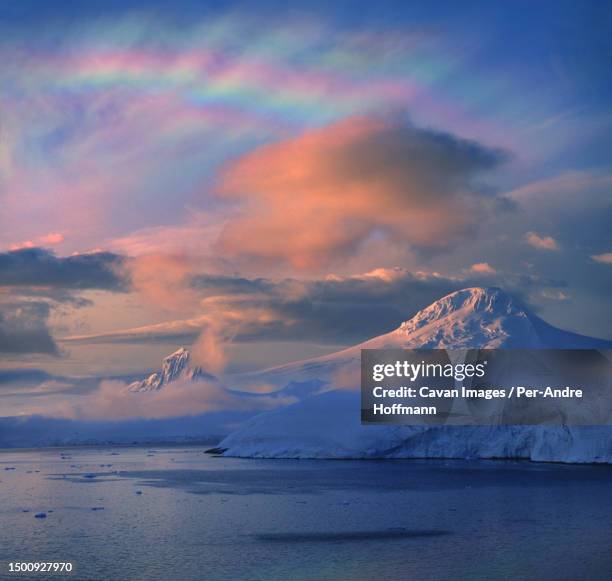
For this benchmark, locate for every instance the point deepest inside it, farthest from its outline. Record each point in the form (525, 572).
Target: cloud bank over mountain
(332, 310)
(203, 175)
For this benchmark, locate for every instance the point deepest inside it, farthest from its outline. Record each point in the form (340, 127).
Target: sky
(269, 181)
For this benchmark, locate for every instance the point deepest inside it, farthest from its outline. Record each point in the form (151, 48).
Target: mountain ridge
(475, 317)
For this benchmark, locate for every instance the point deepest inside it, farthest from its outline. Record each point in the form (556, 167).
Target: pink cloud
(482, 268)
(541, 242)
(605, 258)
(50, 239)
(22, 245)
(101, 183)
(162, 280)
(314, 200)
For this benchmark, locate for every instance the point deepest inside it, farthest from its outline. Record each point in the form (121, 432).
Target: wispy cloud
(605, 258)
(113, 401)
(84, 118)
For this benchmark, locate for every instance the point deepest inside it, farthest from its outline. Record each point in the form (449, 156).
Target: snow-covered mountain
(472, 318)
(328, 425)
(483, 318)
(175, 366)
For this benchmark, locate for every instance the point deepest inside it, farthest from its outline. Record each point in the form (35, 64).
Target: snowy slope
(328, 425)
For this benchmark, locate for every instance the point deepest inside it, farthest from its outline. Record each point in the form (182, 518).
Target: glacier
(327, 424)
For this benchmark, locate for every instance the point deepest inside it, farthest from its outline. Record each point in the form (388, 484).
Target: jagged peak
(174, 366)
(180, 352)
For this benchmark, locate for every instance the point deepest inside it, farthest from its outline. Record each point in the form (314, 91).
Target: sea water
(177, 512)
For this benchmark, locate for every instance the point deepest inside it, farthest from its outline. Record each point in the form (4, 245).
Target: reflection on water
(142, 513)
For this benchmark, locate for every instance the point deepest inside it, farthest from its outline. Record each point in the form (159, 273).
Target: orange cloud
(22, 245)
(162, 279)
(52, 238)
(482, 268)
(47, 240)
(541, 242)
(314, 200)
(605, 258)
(208, 351)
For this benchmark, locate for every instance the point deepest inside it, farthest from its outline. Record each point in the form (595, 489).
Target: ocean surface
(178, 513)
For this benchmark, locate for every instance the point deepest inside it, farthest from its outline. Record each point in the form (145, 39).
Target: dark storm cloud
(37, 267)
(33, 281)
(211, 284)
(23, 328)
